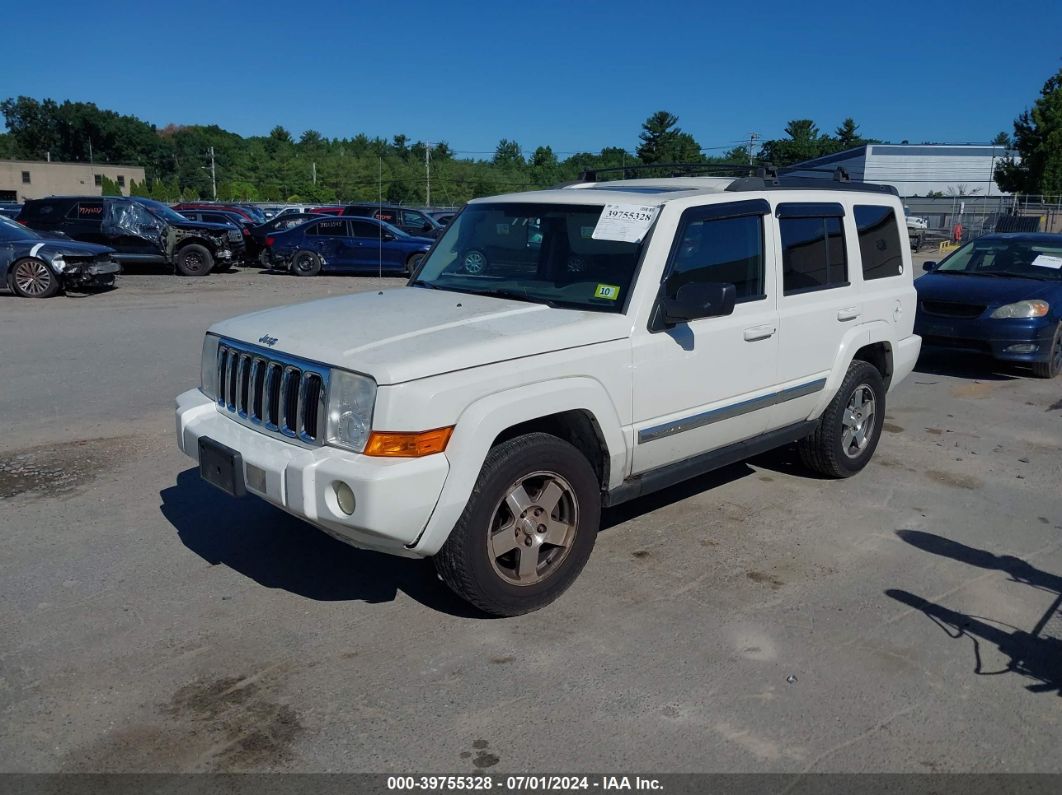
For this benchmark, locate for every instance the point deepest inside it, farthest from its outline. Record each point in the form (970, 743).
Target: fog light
(344, 497)
(1025, 347)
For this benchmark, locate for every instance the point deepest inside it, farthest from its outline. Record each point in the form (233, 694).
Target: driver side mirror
(694, 301)
(929, 266)
(388, 236)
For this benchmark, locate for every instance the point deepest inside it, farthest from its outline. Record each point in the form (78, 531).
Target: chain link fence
(970, 217)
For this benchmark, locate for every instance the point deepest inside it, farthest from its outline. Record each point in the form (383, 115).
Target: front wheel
(474, 261)
(194, 260)
(1053, 365)
(528, 528)
(412, 262)
(32, 278)
(847, 433)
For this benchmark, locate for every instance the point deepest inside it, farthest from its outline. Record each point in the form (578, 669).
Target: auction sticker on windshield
(625, 222)
(610, 292)
(1047, 261)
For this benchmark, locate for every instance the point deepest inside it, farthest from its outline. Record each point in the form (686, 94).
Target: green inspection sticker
(610, 292)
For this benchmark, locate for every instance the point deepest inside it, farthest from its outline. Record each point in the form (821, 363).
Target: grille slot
(273, 393)
(951, 309)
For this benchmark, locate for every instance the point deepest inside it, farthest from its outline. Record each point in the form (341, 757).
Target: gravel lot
(757, 619)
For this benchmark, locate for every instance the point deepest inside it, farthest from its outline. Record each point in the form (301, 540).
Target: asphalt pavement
(755, 619)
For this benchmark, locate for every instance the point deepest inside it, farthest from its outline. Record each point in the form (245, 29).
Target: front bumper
(394, 497)
(1011, 340)
(91, 272)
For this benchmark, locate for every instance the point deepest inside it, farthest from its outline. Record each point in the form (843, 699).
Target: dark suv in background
(141, 231)
(412, 222)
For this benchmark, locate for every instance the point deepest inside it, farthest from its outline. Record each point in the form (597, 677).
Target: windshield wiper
(519, 295)
(429, 285)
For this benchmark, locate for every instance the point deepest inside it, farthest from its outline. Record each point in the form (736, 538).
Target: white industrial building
(919, 169)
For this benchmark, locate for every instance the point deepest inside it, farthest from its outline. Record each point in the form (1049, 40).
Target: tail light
(269, 241)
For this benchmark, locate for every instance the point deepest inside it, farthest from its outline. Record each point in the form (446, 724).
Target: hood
(73, 248)
(985, 290)
(407, 333)
(203, 226)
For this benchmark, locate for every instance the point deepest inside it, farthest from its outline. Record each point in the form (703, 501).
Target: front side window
(726, 250)
(813, 250)
(540, 253)
(366, 229)
(879, 241)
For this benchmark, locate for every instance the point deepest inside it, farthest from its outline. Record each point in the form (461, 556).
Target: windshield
(10, 230)
(543, 253)
(160, 210)
(1027, 259)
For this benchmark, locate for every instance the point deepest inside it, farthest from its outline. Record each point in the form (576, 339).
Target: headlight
(58, 263)
(1022, 309)
(351, 398)
(208, 367)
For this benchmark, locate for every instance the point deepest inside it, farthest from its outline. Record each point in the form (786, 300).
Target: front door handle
(759, 333)
(849, 313)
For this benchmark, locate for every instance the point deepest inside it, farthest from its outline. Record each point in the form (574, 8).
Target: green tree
(109, 187)
(508, 154)
(1001, 139)
(662, 141)
(848, 134)
(1038, 143)
(804, 142)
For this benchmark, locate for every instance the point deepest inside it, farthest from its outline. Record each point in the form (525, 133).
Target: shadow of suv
(141, 231)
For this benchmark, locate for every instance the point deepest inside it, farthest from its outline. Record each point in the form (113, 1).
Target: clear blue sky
(576, 75)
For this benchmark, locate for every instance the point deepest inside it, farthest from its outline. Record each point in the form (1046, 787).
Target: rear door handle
(759, 333)
(850, 313)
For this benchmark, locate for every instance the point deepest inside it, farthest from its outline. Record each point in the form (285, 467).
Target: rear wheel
(32, 278)
(305, 263)
(1053, 365)
(412, 262)
(194, 260)
(847, 433)
(528, 528)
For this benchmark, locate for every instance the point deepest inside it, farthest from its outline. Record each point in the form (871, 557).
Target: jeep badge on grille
(266, 339)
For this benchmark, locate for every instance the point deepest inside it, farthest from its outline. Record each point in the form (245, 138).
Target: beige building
(31, 179)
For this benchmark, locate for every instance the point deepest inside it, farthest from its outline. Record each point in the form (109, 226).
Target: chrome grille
(273, 393)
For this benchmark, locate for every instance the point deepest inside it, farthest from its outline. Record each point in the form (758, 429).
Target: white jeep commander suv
(559, 351)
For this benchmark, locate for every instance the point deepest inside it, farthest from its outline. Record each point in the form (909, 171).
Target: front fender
(481, 423)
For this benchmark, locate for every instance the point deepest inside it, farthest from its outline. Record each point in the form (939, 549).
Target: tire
(836, 448)
(194, 260)
(481, 562)
(412, 262)
(305, 263)
(474, 261)
(33, 278)
(1053, 365)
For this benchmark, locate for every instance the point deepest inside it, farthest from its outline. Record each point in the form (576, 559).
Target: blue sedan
(1000, 295)
(345, 244)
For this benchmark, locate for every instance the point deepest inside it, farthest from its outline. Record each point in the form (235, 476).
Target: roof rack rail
(765, 170)
(840, 173)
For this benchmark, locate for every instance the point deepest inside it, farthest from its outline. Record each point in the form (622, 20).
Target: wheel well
(196, 240)
(577, 427)
(878, 354)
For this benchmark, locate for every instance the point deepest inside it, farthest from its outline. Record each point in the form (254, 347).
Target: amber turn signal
(408, 445)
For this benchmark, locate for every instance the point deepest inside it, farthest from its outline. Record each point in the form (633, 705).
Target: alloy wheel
(858, 421)
(533, 528)
(33, 277)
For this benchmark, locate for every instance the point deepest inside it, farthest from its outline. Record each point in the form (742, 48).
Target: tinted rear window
(879, 241)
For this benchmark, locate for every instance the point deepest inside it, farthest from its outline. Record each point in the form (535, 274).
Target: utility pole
(213, 175)
(427, 174)
(753, 137)
(315, 173)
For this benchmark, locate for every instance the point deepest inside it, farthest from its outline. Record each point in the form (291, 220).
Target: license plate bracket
(221, 466)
